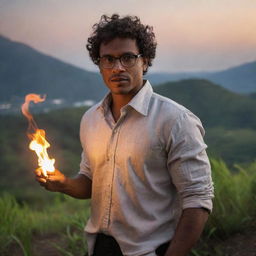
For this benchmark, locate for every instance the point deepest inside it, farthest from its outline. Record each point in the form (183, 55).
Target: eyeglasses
(127, 60)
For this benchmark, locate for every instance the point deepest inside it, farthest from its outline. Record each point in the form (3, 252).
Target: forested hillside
(239, 79)
(32, 216)
(24, 70)
(215, 105)
(229, 120)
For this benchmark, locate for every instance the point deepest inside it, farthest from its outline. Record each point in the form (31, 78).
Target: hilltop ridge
(24, 70)
(239, 79)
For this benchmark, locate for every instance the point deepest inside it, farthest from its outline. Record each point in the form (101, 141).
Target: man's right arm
(78, 187)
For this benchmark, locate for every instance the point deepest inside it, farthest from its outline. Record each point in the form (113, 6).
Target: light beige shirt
(145, 169)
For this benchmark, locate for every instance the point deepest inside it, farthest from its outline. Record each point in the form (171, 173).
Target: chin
(120, 88)
(120, 91)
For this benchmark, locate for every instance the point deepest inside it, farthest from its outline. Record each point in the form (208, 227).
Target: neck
(118, 101)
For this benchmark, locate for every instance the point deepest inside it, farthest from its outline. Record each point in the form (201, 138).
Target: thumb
(38, 172)
(56, 176)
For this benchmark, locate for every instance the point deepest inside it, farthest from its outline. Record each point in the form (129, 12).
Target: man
(144, 164)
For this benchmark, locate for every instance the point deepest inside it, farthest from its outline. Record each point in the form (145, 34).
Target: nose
(118, 66)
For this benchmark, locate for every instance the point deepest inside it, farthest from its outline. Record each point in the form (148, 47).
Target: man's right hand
(54, 181)
(78, 187)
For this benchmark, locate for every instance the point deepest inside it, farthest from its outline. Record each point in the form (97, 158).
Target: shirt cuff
(86, 173)
(197, 203)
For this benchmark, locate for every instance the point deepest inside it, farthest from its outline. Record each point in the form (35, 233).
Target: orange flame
(38, 142)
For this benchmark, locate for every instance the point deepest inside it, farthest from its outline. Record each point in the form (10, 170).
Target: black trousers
(108, 246)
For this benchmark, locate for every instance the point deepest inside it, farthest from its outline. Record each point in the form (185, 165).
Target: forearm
(78, 187)
(188, 231)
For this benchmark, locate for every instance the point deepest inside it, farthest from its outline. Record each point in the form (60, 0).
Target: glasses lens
(128, 60)
(107, 61)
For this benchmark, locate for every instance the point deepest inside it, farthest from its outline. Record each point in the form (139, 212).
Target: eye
(108, 59)
(127, 57)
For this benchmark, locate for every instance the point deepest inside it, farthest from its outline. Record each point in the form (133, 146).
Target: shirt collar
(140, 102)
(104, 104)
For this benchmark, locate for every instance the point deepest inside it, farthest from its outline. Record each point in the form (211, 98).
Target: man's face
(119, 79)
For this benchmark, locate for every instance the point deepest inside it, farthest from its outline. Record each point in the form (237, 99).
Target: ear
(145, 64)
(100, 69)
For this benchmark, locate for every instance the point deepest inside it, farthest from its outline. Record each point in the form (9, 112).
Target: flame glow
(38, 142)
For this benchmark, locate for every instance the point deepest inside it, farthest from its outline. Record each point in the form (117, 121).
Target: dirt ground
(243, 244)
(240, 244)
(45, 246)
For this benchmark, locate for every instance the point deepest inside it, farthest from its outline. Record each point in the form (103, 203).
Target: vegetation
(29, 213)
(229, 118)
(235, 146)
(62, 132)
(214, 105)
(234, 210)
(20, 223)
(235, 196)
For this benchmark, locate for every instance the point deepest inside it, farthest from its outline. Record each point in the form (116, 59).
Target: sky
(192, 35)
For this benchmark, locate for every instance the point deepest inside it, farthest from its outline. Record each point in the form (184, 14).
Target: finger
(41, 180)
(38, 172)
(53, 178)
(54, 173)
(51, 173)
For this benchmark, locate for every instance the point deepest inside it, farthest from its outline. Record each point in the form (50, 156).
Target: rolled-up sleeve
(188, 163)
(84, 166)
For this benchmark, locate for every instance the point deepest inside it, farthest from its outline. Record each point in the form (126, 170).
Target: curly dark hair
(112, 27)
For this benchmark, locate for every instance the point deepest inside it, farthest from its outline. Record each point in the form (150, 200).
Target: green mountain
(24, 70)
(215, 105)
(240, 79)
(229, 120)
(253, 95)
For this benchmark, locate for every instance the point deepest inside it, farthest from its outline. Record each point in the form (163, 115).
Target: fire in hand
(39, 144)
(37, 136)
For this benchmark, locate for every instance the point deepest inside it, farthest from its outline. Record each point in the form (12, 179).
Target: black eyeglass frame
(120, 60)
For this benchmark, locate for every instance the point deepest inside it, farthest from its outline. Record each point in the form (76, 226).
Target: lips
(119, 78)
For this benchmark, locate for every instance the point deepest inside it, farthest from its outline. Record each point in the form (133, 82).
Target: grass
(20, 222)
(234, 210)
(234, 202)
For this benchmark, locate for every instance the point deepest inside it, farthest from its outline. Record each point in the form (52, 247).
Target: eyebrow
(109, 55)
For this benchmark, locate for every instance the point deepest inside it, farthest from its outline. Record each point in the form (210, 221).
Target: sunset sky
(192, 35)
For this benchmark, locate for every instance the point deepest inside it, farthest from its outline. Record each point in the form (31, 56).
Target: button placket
(112, 156)
(108, 191)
